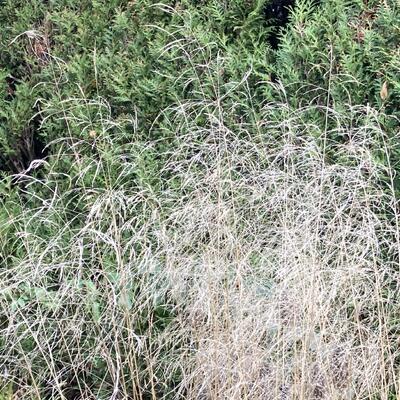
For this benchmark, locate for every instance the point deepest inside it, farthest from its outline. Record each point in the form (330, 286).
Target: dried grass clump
(283, 261)
(264, 267)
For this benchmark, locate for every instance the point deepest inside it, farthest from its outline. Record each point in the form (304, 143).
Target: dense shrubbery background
(337, 53)
(125, 125)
